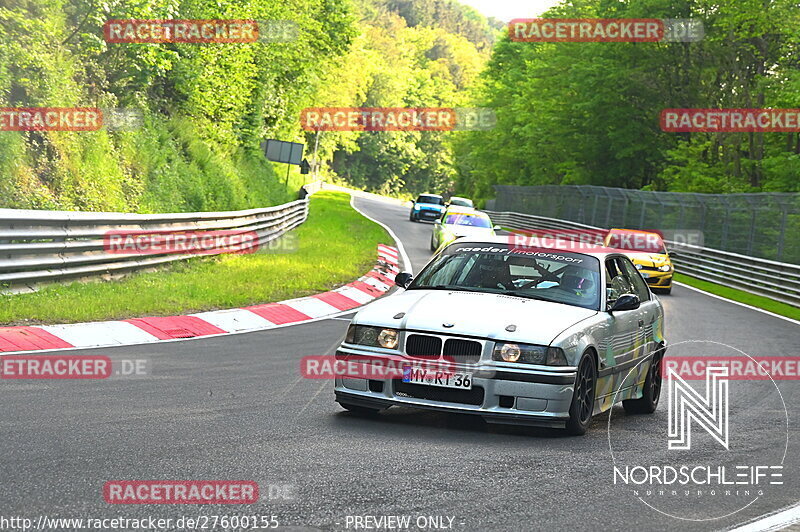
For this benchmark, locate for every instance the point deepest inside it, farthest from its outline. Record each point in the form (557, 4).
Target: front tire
(434, 247)
(411, 217)
(651, 393)
(580, 412)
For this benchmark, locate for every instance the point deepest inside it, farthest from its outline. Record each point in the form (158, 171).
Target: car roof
(601, 252)
(427, 194)
(618, 230)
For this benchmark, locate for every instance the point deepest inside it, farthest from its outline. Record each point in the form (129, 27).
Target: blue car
(427, 207)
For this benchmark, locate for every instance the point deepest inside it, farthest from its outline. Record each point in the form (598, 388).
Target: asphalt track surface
(235, 407)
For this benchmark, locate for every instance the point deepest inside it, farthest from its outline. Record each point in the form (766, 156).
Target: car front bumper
(428, 214)
(656, 279)
(499, 395)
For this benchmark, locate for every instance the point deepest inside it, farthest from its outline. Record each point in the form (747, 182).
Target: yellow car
(648, 253)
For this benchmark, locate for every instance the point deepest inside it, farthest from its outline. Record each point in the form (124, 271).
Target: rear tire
(651, 393)
(582, 408)
(360, 410)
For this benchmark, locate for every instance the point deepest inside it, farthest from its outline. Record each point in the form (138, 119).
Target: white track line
(171, 340)
(406, 261)
(775, 521)
(751, 307)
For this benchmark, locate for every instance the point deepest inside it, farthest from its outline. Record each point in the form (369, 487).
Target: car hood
(648, 259)
(474, 314)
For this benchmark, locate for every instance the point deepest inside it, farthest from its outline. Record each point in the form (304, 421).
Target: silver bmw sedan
(542, 334)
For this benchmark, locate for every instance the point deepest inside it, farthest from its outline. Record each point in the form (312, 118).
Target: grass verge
(741, 296)
(334, 246)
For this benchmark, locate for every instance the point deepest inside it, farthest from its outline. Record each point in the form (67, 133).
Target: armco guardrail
(776, 280)
(45, 246)
(753, 224)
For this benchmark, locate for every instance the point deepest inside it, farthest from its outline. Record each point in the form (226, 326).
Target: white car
(539, 336)
(456, 201)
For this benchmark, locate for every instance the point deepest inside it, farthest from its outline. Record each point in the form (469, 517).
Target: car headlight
(372, 336)
(638, 266)
(529, 354)
(664, 268)
(416, 207)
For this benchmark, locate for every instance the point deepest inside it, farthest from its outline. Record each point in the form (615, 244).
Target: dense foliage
(410, 54)
(568, 113)
(207, 107)
(588, 113)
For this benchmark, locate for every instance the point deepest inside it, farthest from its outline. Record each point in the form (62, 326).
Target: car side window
(616, 283)
(639, 285)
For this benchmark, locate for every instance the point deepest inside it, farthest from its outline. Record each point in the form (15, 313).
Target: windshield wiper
(442, 287)
(524, 296)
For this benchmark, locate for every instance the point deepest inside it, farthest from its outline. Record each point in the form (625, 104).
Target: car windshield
(430, 199)
(471, 220)
(640, 241)
(533, 273)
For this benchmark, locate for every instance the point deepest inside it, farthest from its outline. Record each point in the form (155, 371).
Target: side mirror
(404, 279)
(625, 302)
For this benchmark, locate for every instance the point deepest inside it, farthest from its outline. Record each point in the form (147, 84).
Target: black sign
(283, 152)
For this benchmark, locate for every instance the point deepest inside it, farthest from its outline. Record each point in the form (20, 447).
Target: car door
(649, 309)
(646, 316)
(618, 347)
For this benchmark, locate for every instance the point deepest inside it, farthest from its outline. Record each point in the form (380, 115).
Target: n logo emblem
(685, 405)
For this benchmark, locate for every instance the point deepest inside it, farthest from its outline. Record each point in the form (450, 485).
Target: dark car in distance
(427, 207)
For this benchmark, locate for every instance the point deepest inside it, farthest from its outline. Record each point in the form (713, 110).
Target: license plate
(443, 379)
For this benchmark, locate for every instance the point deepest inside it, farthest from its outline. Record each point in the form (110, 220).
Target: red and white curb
(374, 284)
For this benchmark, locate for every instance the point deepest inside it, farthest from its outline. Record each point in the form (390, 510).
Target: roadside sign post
(281, 151)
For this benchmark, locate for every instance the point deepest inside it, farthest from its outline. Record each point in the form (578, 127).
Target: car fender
(579, 337)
